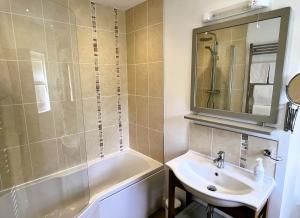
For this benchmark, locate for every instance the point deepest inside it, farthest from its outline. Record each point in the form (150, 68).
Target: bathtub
(124, 184)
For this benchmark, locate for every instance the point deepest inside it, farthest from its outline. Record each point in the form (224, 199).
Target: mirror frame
(284, 14)
(287, 90)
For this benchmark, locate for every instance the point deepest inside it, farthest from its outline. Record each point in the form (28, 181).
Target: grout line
(145, 27)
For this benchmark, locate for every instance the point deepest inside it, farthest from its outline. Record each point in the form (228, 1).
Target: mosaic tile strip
(118, 73)
(244, 151)
(97, 73)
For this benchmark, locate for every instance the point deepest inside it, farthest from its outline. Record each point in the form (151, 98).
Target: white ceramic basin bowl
(234, 186)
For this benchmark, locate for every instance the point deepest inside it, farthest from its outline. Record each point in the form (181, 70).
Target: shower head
(205, 39)
(208, 36)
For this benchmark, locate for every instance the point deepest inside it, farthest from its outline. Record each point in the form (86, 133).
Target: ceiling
(121, 4)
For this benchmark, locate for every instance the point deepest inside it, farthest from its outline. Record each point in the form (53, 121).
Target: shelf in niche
(232, 125)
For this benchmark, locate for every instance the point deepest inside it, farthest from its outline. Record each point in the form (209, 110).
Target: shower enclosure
(41, 114)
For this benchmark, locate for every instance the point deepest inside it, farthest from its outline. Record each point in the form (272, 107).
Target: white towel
(261, 110)
(263, 95)
(260, 72)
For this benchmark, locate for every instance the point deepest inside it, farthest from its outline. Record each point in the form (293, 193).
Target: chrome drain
(212, 188)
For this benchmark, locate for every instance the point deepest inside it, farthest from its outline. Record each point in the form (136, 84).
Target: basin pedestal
(236, 212)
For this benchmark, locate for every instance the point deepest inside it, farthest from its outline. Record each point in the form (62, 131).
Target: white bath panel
(137, 201)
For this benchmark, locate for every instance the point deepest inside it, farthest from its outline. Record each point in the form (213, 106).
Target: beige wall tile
(69, 150)
(4, 5)
(82, 11)
(142, 137)
(108, 80)
(66, 118)
(58, 41)
(156, 79)
(61, 81)
(40, 125)
(124, 80)
(123, 49)
(228, 142)
(109, 111)
(92, 144)
(27, 7)
(140, 15)
(224, 34)
(44, 157)
(27, 70)
(17, 169)
(224, 52)
(77, 81)
(12, 124)
(141, 71)
(141, 46)
(122, 21)
(7, 42)
(238, 77)
(132, 137)
(88, 80)
(85, 45)
(201, 139)
(125, 133)
(105, 17)
(90, 113)
(239, 32)
(106, 46)
(10, 83)
(111, 138)
(255, 150)
(132, 108)
(236, 100)
(156, 145)
(124, 109)
(74, 44)
(56, 10)
(130, 48)
(155, 10)
(155, 43)
(79, 117)
(30, 36)
(131, 79)
(129, 20)
(156, 113)
(142, 111)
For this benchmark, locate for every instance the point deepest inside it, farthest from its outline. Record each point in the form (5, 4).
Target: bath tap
(220, 159)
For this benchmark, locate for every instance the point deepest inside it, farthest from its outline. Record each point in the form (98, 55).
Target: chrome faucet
(220, 159)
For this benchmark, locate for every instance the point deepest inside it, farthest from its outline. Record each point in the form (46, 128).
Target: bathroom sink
(228, 187)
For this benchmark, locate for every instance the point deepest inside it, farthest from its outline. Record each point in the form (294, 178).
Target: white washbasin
(234, 186)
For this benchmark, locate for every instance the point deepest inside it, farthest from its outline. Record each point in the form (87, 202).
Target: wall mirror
(292, 108)
(293, 90)
(237, 66)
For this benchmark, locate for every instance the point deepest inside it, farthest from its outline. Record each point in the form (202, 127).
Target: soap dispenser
(259, 170)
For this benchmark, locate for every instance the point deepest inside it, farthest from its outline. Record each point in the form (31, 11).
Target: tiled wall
(44, 101)
(240, 149)
(105, 27)
(144, 28)
(234, 36)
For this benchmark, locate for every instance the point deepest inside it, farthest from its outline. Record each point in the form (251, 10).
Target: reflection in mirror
(293, 90)
(236, 67)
